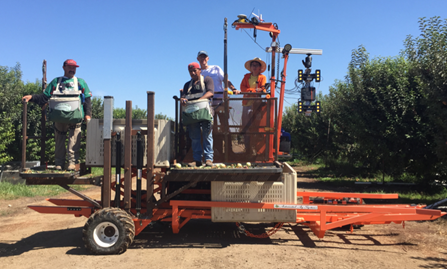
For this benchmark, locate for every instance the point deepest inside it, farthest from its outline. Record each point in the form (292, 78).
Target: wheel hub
(106, 234)
(109, 231)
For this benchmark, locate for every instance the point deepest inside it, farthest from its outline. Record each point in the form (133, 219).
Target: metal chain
(263, 235)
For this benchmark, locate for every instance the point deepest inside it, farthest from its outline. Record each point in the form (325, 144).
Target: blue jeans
(194, 133)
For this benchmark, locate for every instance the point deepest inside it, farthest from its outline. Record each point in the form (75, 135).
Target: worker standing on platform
(197, 114)
(69, 104)
(216, 73)
(254, 112)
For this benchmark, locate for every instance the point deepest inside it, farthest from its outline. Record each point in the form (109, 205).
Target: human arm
(87, 106)
(207, 95)
(41, 98)
(87, 109)
(209, 87)
(231, 86)
(245, 86)
(261, 83)
(183, 99)
(27, 98)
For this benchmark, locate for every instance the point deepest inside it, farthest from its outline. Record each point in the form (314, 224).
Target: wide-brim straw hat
(263, 65)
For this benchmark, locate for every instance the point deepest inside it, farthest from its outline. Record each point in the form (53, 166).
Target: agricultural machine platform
(248, 185)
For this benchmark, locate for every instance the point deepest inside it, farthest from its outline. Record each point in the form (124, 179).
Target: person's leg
(60, 134)
(194, 134)
(207, 133)
(74, 144)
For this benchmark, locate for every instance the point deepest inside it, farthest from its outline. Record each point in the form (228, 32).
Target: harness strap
(76, 85)
(202, 85)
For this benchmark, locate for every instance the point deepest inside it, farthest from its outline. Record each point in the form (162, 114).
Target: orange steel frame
(318, 217)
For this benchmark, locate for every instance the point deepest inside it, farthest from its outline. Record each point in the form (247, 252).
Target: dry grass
(426, 237)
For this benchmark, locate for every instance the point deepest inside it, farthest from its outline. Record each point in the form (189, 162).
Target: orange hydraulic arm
(281, 97)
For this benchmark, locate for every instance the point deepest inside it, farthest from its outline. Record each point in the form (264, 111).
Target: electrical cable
(253, 39)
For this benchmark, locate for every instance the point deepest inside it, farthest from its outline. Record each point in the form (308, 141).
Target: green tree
(6, 137)
(161, 116)
(137, 113)
(97, 108)
(11, 91)
(427, 54)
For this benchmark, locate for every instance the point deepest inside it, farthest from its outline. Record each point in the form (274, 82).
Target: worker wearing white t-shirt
(216, 73)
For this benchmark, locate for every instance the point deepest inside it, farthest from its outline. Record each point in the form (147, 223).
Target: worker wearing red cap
(69, 104)
(197, 119)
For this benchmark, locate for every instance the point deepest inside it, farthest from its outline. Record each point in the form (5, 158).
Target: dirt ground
(32, 240)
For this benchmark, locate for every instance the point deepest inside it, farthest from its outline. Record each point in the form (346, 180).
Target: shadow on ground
(198, 234)
(43, 240)
(433, 262)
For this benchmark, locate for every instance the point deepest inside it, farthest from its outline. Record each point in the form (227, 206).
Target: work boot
(209, 163)
(195, 163)
(71, 167)
(58, 167)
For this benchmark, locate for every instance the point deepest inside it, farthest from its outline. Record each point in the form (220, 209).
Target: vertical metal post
(107, 136)
(268, 140)
(281, 99)
(24, 135)
(139, 172)
(43, 136)
(150, 149)
(272, 92)
(106, 188)
(276, 145)
(272, 78)
(226, 100)
(118, 170)
(128, 156)
(176, 142)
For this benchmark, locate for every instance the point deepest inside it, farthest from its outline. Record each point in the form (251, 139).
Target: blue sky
(125, 48)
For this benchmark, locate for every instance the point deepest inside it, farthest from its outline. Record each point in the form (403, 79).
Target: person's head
(255, 66)
(203, 58)
(194, 70)
(70, 68)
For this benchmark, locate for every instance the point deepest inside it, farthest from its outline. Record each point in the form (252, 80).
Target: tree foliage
(137, 113)
(12, 88)
(388, 114)
(160, 116)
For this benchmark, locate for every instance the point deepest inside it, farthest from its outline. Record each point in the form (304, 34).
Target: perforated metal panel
(163, 141)
(256, 192)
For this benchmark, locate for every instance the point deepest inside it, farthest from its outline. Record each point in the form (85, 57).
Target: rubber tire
(124, 224)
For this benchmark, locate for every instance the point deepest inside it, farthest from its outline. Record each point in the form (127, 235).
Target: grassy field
(349, 176)
(10, 191)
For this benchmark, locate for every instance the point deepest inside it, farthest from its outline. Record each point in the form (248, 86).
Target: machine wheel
(108, 231)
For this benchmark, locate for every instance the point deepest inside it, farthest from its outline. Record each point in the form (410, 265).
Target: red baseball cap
(71, 62)
(193, 65)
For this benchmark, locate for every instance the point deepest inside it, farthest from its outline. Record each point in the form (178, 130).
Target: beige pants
(74, 143)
